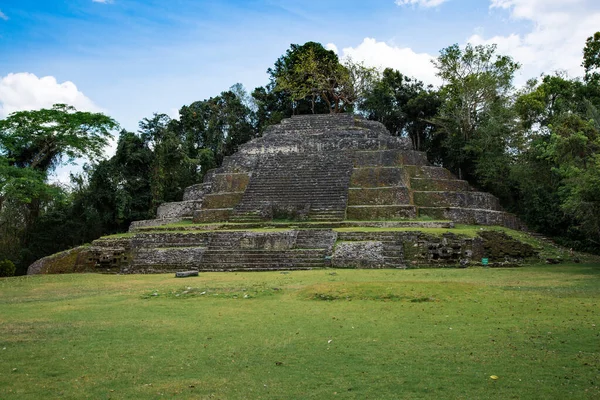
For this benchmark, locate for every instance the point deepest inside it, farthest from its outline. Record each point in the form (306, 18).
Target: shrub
(7, 268)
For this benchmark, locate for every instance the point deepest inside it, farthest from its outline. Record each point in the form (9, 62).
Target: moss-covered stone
(370, 177)
(428, 184)
(230, 182)
(222, 200)
(378, 196)
(428, 172)
(212, 215)
(78, 259)
(372, 213)
(498, 246)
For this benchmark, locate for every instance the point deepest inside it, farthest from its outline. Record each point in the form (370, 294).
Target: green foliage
(591, 59)
(219, 125)
(32, 144)
(558, 172)
(41, 139)
(300, 74)
(314, 80)
(7, 268)
(405, 106)
(476, 90)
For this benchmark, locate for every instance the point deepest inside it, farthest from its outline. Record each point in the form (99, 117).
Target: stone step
(429, 184)
(379, 196)
(472, 200)
(248, 259)
(471, 216)
(428, 172)
(377, 212)
(179, 209)
(390, 158)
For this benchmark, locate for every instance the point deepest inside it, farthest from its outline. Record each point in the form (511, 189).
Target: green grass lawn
(365, 334)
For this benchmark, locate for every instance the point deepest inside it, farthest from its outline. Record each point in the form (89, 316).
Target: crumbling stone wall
(288, 249)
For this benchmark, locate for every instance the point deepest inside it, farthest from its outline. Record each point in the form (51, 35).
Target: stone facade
(293, 248)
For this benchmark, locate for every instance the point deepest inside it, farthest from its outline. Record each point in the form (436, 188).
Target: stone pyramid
(334, 167)
(314, 191)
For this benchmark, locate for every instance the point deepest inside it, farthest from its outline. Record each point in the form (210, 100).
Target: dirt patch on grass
(415, 292)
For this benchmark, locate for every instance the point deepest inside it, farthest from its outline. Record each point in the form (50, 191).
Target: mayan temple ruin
(313, 191)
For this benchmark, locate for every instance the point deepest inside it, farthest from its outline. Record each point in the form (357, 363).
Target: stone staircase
(296, 186)
(260, 252)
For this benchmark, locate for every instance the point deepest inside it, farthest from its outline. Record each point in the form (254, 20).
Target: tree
(558, 174)
(299, 74)
(476, 92)
(32, 144)
(404, 106)
(169, 161)
(591, 59)
(310, 73)
(215, 128)
(270, 107)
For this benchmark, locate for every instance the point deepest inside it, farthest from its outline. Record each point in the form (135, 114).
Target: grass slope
(413, 334)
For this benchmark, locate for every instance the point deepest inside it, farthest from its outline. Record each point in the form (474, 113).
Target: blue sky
(131, 58)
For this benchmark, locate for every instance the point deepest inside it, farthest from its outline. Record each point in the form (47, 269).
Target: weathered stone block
(136, 225)
(370, 213)
(472, 200)
(194, 192)
(173, 257)
(378, 196)
(466, 215)
(222, 200)
(358, 255)
(186, 274)
(180, 209)
(428, 172)
(230, 182)
(413, 158)
(267, 241)
(212, 215)
(367, 177)
(444, 185)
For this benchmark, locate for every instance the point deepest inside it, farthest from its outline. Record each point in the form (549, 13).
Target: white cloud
(420, 3)
(404, 59)
(331, 46)
(556, 39)
(103, 1)
(3, 16)
(25, 91)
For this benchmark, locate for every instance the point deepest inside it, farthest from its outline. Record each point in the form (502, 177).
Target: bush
(7, 268)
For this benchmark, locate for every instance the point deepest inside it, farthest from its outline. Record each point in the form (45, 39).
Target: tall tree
(33, 144)
(558, 174)
(298, 74)
(476, 92)
(591, 59)
(405, 106)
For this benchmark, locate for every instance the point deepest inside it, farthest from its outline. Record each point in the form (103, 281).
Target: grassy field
(365, 334)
